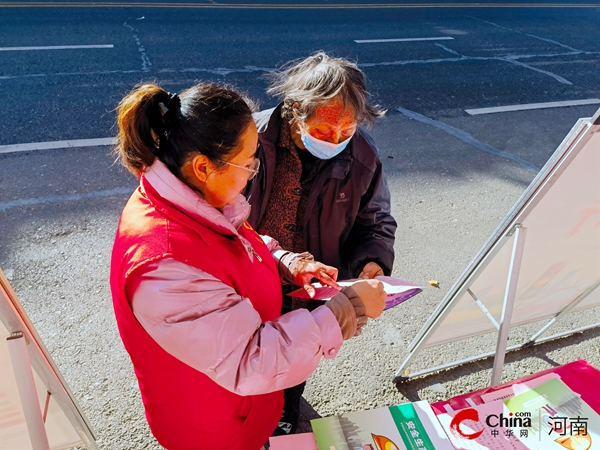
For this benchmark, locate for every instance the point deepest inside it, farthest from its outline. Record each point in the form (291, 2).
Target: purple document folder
(397, 290)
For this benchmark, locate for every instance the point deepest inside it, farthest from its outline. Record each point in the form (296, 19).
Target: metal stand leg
(563, 313)
(400, 375)
(484, 309)
(509, 301)
(19, 357)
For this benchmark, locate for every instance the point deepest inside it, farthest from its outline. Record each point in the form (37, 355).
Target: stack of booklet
(541, 414)
(407, 426)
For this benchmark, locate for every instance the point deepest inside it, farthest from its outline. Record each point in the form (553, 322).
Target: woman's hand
(371, 270)
(373, 296)
(307, 269)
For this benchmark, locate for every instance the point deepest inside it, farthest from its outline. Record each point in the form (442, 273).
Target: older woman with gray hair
(321, 188)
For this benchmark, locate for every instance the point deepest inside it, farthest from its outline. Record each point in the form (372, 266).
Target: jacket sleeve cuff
(287, 261)
(359, 308)
(344, 311)
(331, 334)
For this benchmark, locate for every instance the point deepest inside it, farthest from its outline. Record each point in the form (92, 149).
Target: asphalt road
(59, 207)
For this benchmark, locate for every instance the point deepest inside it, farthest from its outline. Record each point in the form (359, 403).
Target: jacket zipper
(256, 254)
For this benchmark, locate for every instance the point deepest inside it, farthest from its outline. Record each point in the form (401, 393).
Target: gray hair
(307, 84)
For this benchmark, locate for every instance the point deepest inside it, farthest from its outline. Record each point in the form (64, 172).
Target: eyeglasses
(253, 169)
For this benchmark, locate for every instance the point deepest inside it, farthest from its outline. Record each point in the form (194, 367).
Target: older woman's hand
(371, 270)
(307, 269)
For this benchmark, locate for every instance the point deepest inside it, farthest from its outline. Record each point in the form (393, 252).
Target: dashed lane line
(528, 106)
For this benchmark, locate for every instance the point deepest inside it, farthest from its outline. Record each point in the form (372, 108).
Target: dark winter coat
(347, 221)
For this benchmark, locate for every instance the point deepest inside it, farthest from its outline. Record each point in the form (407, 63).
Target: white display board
(62, 423)
(542, 262)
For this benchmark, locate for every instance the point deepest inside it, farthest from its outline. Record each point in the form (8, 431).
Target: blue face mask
(322, 149)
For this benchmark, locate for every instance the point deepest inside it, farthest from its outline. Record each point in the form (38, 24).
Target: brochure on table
(560, 419)
(545, 415)
(541, 413)
(411, 426)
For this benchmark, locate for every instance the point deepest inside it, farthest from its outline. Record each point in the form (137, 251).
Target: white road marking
(498, 109)
(469, 139)
(146, 63)
(512, 60)
(61, 198)
(215, 5)
(545, 72)
(374, 41)
(551, 41)
(14, 148)
(224, 71)
(54, 47)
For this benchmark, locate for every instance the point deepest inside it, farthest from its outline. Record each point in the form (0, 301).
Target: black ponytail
(206, 118)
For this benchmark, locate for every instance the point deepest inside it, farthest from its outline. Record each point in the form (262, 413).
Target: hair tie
(169, 112)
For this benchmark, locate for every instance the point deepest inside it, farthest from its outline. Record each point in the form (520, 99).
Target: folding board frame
(561, 158)
(25, 346)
